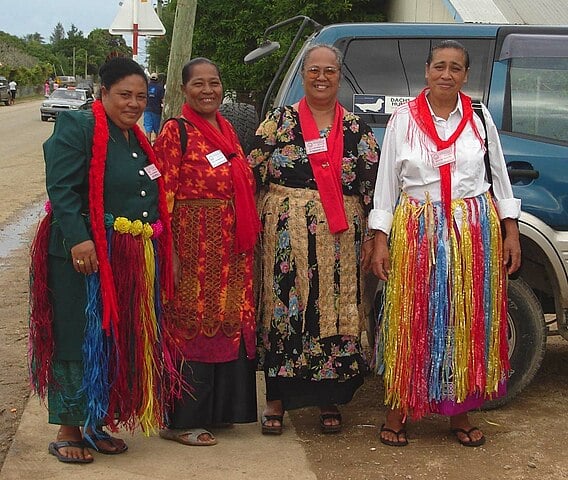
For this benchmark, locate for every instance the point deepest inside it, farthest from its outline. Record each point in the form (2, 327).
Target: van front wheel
(526, 339)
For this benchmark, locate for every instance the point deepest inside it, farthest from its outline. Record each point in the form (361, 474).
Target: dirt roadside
(21, 187)
(526, 439)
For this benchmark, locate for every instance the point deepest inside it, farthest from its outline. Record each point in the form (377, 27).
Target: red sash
(247, 221)
(327, 165)
(423, 117)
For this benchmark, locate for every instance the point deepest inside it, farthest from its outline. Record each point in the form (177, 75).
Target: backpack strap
(182, 132)
(479, 111)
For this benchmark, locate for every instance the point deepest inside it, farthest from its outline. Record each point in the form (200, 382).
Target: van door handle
(529, 173)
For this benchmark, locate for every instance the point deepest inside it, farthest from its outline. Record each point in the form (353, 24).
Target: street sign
(139, 18)
(140, 13)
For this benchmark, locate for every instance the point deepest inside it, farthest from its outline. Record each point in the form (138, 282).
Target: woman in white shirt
(438, 244)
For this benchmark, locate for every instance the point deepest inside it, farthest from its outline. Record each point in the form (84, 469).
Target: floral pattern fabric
(280, 155)
(290, 341)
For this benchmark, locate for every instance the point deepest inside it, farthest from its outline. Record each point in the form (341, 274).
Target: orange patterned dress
(213, 307)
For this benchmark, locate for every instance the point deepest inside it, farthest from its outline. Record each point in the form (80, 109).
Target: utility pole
(180, 54)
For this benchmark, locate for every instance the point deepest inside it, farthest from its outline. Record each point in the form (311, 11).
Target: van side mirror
(263, 51)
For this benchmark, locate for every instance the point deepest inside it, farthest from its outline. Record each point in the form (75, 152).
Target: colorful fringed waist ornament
(122, 381)
(443, 334)
(124, 374)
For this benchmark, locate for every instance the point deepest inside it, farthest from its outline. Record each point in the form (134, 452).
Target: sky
(20, 17)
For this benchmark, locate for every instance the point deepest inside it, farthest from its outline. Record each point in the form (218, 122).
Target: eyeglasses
(315, 72)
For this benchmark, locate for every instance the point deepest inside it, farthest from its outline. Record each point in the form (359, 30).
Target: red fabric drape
(247, 221)
(327, 165)
(422, 116)
(96, 213)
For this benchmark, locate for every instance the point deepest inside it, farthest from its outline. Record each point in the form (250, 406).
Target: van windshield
(394, 68)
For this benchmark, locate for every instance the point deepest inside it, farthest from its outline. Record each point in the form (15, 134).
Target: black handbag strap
(479, 111)
(182, 132)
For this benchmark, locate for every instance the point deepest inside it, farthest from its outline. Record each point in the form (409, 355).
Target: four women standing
(437, 243)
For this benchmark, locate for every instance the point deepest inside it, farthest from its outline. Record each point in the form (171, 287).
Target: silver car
(64, 99)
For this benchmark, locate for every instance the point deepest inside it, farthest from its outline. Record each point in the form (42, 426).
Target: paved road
(21, 160)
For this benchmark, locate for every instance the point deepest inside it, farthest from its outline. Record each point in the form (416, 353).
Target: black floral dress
(310, 295)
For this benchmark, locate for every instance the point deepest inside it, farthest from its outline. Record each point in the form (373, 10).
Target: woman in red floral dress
(210, 193)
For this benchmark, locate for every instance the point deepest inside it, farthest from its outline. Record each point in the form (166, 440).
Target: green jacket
(128, 191)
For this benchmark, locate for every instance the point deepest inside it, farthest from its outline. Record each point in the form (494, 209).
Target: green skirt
(67, 406)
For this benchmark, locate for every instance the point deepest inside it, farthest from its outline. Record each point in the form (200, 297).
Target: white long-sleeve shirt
(406, 165)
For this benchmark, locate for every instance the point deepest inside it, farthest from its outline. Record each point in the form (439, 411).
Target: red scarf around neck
(247, 222)
(97, 211)
(422, 115)
(327, 165)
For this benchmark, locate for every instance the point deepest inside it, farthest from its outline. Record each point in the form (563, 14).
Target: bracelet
(368, 236)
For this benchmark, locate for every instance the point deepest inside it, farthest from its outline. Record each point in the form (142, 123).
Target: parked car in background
(64, 99)
(65, 81)
(88, 86)
(4, 93)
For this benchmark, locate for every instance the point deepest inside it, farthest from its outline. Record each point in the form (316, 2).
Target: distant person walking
(46, 88)
(153, 111)
(12, 86)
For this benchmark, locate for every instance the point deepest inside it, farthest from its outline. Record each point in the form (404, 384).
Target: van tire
(527, 340)
(244, 119)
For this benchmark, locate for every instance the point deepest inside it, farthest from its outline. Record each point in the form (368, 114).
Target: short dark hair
(115, 69)
(187, 69)
(448, 44)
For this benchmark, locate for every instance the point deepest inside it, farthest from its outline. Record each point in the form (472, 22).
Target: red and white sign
(139, 18)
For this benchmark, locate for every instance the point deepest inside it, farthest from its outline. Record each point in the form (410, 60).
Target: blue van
(521, 74)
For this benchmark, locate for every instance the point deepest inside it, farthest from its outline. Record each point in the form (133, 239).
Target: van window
(396, 67)
(539, 97)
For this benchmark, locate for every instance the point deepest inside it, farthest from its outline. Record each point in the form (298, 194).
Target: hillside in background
(12, 52)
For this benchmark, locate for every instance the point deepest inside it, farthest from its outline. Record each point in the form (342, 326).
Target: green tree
(102, 45)
(58, 34)
(33, 38)
(74, 33)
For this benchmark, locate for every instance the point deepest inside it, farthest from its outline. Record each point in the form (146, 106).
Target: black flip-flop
(392, 443)
(272, 429)
(98, 435)
(55, 446)
(325, 428)
(467, 433)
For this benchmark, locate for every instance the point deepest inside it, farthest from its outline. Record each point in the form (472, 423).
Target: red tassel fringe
(40, 340)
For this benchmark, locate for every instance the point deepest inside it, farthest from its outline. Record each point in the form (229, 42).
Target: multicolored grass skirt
(128, 373)
(442, 340)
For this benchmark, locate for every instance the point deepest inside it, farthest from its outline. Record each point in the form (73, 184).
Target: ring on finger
(80, 262)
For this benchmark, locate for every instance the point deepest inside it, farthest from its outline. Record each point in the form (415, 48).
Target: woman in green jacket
(100, 267)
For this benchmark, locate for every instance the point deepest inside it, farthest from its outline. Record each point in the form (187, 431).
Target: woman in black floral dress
(314, 246)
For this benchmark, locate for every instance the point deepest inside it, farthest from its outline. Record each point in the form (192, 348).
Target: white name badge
(216, 158)
(443, 157)
(316, 146)
(152, 171)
